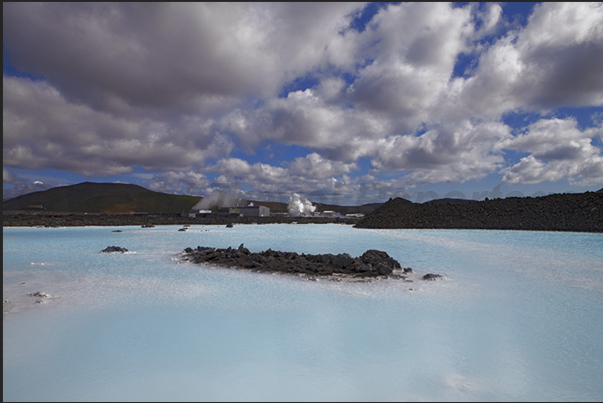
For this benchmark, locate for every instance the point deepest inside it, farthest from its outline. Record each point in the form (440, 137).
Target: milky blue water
(519, 317)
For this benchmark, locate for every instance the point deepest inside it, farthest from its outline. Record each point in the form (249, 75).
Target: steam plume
(218, 198)
(300, 207)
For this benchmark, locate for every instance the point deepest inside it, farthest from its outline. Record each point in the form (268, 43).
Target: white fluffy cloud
(190, 183)
(490, 19)
(241, 172)
(413, 49)
(555, 61)
(179, 88)
(557, 149)
(314, 166)
(303, 118)
(445, 154)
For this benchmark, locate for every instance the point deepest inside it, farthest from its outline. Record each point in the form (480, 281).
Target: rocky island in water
(373, 264)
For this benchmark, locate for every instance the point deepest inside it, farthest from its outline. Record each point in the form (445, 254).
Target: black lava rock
(433, 277)
(114, 249)
(556, 212)
(372, 263)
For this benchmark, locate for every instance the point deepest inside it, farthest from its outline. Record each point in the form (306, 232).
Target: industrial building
(196, 213)
(247, 211)
(329, 213)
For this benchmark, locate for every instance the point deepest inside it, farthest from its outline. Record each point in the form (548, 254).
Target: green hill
(91, 197)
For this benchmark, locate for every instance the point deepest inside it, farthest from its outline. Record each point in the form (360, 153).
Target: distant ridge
(451, 201)
(93, 197)
(343, 210)
(89, 197)
(557, 212)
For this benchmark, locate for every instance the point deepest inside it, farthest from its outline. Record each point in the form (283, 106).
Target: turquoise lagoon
(519, 317)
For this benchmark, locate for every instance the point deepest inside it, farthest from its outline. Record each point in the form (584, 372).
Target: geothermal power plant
(225, 204)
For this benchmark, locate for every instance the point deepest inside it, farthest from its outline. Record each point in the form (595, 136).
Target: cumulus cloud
(189, 183)
(178, 88)
(446, 154)
(44, 130)
(555, 61)
(321, 179)
(310, 169)
(303, 118)
(263, 177)
(557, 149)
(190, 55)
(413, 51)
(490, 19)
(314, 166)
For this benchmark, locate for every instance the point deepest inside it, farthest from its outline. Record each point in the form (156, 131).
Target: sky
(342, 103)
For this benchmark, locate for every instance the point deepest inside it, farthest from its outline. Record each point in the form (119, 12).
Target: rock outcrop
(433, 277)
(114, 249)
(372, 264)
(557, 212)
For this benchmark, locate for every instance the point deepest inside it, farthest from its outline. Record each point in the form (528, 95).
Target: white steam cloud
(300, 207)
(218, 198)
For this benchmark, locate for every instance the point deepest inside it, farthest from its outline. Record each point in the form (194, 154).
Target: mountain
(556, 212)
(91, 197)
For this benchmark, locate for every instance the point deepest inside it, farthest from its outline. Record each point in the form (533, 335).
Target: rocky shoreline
(50, 219)
(371, 265)
(580, 212)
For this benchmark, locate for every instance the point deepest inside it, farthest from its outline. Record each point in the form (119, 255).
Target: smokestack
(300, 207)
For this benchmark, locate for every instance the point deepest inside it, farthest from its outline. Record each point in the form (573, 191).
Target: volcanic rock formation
(372, 264)
(557, 212)
(114, 249)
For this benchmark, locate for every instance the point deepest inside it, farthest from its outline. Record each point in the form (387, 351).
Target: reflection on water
(518, 318)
